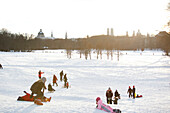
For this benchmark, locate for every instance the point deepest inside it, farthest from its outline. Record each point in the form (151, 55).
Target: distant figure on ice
(117, 95)
(130, 92)
(55, 80)
(133, 91)
(104, 107)
(50, 88)
(1, 66)
(109, 95)
(65, 80)
(61, 75)
(39, 74)
(37, 87)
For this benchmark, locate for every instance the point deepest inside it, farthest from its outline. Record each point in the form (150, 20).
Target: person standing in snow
(61, 75)
(39, 74)
(65, 80)
(109, 95)
(130, 92)
(55, 80)
(37, 87)
(133, 91)
(1, 66)
(117, 95)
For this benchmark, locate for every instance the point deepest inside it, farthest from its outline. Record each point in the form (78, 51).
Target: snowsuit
(50, 88)
(61, 75)
(67, 85)
(36, 89)
(130, 92)
(39, 74)
(134, 92)
(55, 80)
(106, 108)
(109, 95)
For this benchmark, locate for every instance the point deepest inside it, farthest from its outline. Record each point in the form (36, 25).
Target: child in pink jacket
(105, 107)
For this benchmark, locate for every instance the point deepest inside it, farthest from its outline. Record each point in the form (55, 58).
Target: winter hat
(129, 86)
(97, 99)
(44, 79)
(133, 86)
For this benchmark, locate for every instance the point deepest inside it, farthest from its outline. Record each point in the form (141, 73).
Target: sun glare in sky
(80, 18)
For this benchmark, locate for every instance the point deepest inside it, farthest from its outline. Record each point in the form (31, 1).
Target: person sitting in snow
(50, 88)
(37, 87)
(130, 92)
(39, 74)
(109, 95)
(55, 80)
(117, 95)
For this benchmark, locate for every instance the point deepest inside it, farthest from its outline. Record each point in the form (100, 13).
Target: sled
(139, 96)
(27, 98)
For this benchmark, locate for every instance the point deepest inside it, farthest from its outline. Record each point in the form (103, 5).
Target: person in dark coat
(55, 80)
(50, 88)
(61, 75)
(1, 66)
(109, 95)
(37, 87)
(133, 91)
(117, 94)
(130, 92)
(65, 80)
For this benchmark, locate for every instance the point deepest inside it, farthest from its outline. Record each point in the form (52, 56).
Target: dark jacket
(129, 91)
(109, 94)
(50, 88)
(37, 86)
(116, 93)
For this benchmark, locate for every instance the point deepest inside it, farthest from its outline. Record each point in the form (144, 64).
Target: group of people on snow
(65, 79)
(39, 85)
(109, 95)
(131, 92)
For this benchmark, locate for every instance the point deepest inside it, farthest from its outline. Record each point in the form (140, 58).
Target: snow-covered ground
(149, 72)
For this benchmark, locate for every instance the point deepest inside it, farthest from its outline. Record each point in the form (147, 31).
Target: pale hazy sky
(80, 18)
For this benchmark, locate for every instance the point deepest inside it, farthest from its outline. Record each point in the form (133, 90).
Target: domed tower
(40, 34)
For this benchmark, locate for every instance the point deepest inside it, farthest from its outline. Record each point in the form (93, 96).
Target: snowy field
(149, 72)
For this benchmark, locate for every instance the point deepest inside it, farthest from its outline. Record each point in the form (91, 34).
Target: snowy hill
(88, 79)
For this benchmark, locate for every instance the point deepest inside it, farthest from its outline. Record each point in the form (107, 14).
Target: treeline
(18, 42)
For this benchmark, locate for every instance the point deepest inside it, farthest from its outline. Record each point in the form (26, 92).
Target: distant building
(127, 35)
(162, 34)
(42, 36)
(138, 34)
(133, 33)
(66, 35)
(112, 34)
(108, 31)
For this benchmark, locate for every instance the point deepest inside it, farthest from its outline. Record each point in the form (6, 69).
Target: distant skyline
(80, 18)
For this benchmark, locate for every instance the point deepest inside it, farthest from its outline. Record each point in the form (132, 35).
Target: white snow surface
(149, 71)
